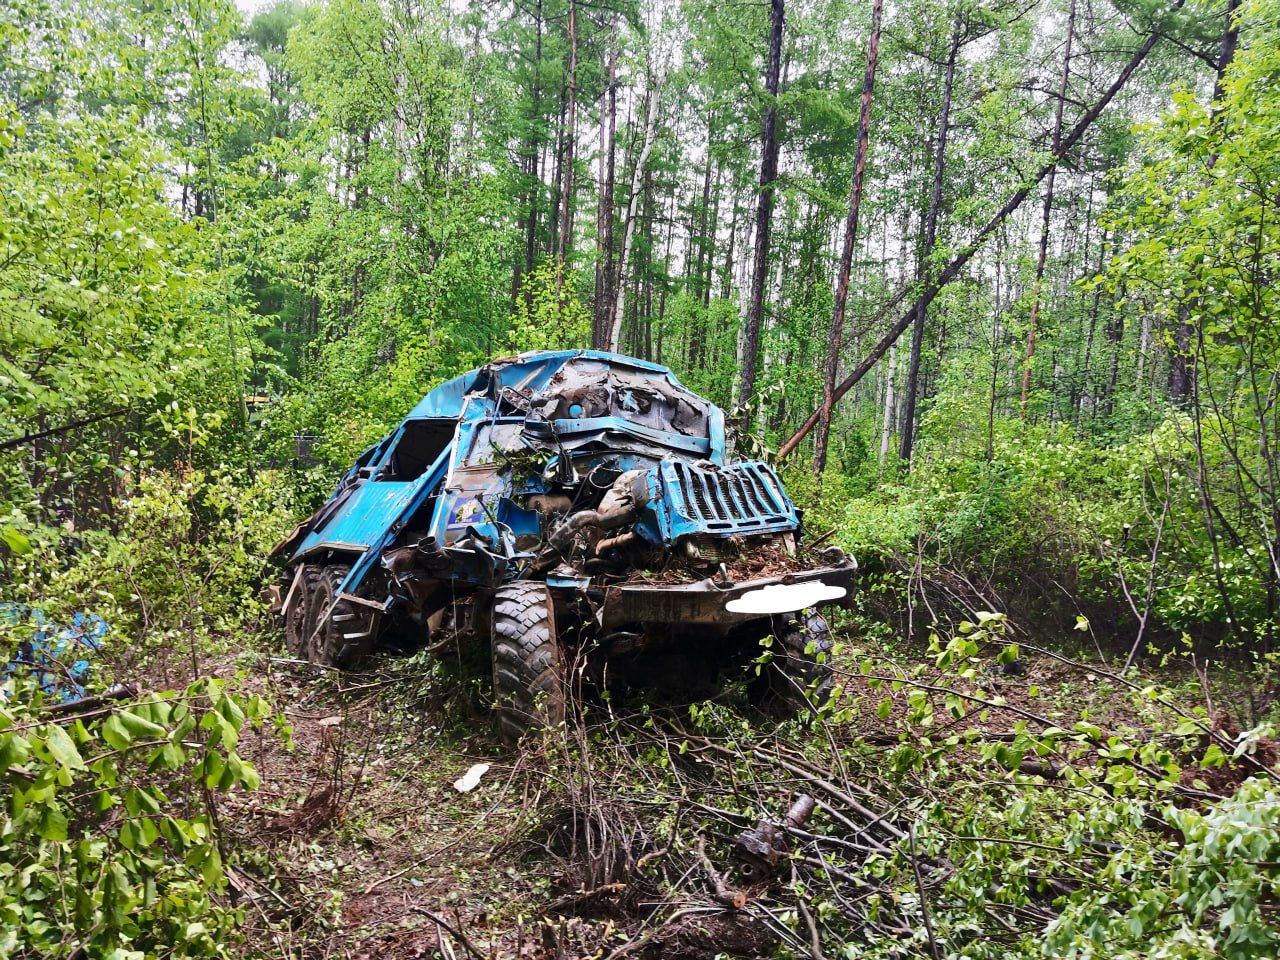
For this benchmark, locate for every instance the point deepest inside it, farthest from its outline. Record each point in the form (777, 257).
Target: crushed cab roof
(527, 372)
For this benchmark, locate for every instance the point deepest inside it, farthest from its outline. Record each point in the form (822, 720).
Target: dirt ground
(358, 844)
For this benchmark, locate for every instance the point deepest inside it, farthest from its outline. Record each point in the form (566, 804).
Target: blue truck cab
(554, 503)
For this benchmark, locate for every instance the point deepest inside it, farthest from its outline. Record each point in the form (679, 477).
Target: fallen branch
(648, 936)
(582, 896)
(454, 932)
(88, 708)
(722, 893)
(924, 898)
(65, 428)
(815, 942)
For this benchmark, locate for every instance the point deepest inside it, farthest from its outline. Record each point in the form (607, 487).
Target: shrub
(1051, 521)
(108, 842)
(184, 564)
(1211, 899)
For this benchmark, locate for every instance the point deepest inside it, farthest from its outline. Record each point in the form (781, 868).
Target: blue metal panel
(393, 522)
(362, 518)
(566, 429)
(715, 426)
(558, 358)
(567, 582)
(445, 400)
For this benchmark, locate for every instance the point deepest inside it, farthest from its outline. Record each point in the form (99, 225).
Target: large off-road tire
(797, 678)
(296, 635)
(340, 633)
(528, 678)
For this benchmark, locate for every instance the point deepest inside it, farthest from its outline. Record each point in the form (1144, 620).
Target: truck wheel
(798, 676)
(340, 633)
(528, 686)
(296, 617)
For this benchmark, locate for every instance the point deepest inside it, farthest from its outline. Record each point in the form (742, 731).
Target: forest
(991, 284)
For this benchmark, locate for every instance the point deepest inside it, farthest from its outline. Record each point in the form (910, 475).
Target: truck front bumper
(703, 602)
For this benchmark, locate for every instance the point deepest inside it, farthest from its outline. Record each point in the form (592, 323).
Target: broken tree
(953, 268)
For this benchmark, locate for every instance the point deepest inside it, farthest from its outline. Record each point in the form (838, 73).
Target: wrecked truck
(577, 510)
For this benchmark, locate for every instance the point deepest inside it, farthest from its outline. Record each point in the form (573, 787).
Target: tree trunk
(1047, 210)
(557, 174)
(1182, 369)
(1115, 338)
(662, 297)
(907, 434)
(997, 334)
(704, 215)
(835, 336)
(700, 283)
(890, 402)
(764, 206)
(1226, 50)
(604, 220)
(1086, 394)
(628, 223)
(570, 132)
(726, 275)
(643, 345)
(534, 152)
(711, 228)
(1144, 341)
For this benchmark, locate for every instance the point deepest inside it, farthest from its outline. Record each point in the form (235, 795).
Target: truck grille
(743, 498)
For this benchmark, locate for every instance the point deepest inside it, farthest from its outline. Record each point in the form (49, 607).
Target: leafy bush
(1212, 898)
(1051, 515)
(184, 564)
(545, 319)
(109, 841)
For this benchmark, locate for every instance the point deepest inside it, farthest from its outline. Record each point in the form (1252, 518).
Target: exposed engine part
(516, 398)
(431, 556)
(620, 504)
(613, 543)
(712, 549)
(602, 477)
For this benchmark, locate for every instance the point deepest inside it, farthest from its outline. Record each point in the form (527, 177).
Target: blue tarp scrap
(59, 656)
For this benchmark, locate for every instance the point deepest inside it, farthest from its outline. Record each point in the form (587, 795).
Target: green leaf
(17, 543)
(61, 747)
(1213, 757)
(52, 825)
(116, 734)
(212, 769)
(139, 727)
(13, 750)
